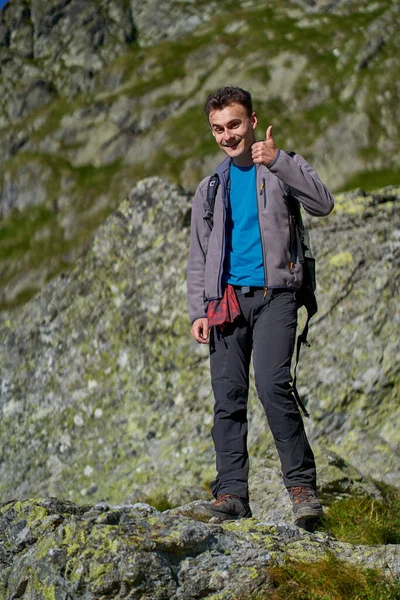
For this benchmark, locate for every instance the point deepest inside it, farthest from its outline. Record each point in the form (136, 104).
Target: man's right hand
(200, 330)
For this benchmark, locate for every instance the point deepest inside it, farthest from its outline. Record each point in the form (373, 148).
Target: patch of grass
(363, 520)
(314, 121)
(159, 65)
(275, 110)
(260, 72)
(371, 180)
(19, 300)
(54, 113)
(330, 579)
(18, 228)
(159, 501)
(192, 125)
(96, 179)
(36, 234)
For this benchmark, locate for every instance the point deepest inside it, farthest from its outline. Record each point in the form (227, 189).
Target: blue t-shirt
(243, 263)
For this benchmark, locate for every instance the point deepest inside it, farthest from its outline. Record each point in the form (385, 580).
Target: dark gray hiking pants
(267, 327)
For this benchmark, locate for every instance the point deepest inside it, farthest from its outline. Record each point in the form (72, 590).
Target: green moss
(104, 540)
(44, 590)
(74, 538)
(330, 579)
(31, 511)
(224, 595)
(98, 572)
(19, 300)
(90, 550)
(49, 592)
(254, 530)
(341, 259)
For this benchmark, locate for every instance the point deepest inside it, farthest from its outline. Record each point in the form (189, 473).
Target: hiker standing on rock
(244, 276)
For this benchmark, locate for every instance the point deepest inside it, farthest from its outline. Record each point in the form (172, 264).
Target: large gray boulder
(105, 395)
(57, 550)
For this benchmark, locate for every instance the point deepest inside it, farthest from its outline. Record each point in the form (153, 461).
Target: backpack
(306, 294)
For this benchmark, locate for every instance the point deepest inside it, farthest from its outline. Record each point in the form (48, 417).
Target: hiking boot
(305, 503)
(226, 507)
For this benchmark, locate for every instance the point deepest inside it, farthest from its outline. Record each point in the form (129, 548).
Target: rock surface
(121, 99)
(104, 393)
(55, 549)
(104, 397)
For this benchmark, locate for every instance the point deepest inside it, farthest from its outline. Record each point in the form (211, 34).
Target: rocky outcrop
(158, 21)
(57, 47)
(104, 393)
(121, 97)
(55, 549)
(104, 397)
(352, 371)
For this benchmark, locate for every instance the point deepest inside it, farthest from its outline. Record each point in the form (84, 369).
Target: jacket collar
(223, 168)
(223, 173)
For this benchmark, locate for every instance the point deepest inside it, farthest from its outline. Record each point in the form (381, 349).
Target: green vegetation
(52, 115)
(330, 579)
(372, 180)
(159, 501)
(157, 66)
(17, 230)
(363, 520)
(273, 32)
(37, 237)
(330, 86)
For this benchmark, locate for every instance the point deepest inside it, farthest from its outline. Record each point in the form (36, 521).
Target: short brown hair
(225, 97)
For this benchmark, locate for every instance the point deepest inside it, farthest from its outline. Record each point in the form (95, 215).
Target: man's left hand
(264, 153)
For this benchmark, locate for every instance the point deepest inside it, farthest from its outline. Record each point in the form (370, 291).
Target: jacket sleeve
(303, 182)
(199, 235)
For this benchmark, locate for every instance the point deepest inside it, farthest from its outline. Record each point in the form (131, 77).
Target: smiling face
(233, 129)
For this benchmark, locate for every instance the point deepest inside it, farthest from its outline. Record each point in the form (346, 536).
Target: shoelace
(222, 498)
(302, 494)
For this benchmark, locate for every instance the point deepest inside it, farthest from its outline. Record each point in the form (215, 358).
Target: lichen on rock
(135, 551)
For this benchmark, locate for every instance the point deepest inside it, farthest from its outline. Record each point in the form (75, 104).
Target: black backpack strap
(306, 294)
(212, 192)
(301, 339)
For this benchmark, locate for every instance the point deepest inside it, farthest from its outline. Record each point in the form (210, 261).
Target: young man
(243, 273)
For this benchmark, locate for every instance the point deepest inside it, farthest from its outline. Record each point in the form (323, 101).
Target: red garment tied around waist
(225, 310)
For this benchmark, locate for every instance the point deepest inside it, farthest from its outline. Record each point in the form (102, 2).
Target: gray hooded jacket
(274, 184)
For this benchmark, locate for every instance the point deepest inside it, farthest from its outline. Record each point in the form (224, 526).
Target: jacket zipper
(222, 250)
(291, 241)
(262, 188)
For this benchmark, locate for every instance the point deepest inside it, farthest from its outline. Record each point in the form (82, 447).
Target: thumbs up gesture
(264, 153)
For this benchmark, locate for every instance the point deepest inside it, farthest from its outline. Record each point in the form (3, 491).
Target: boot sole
(220, 515)
(308, 513)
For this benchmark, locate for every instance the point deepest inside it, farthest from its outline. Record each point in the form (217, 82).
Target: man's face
(233, 130)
